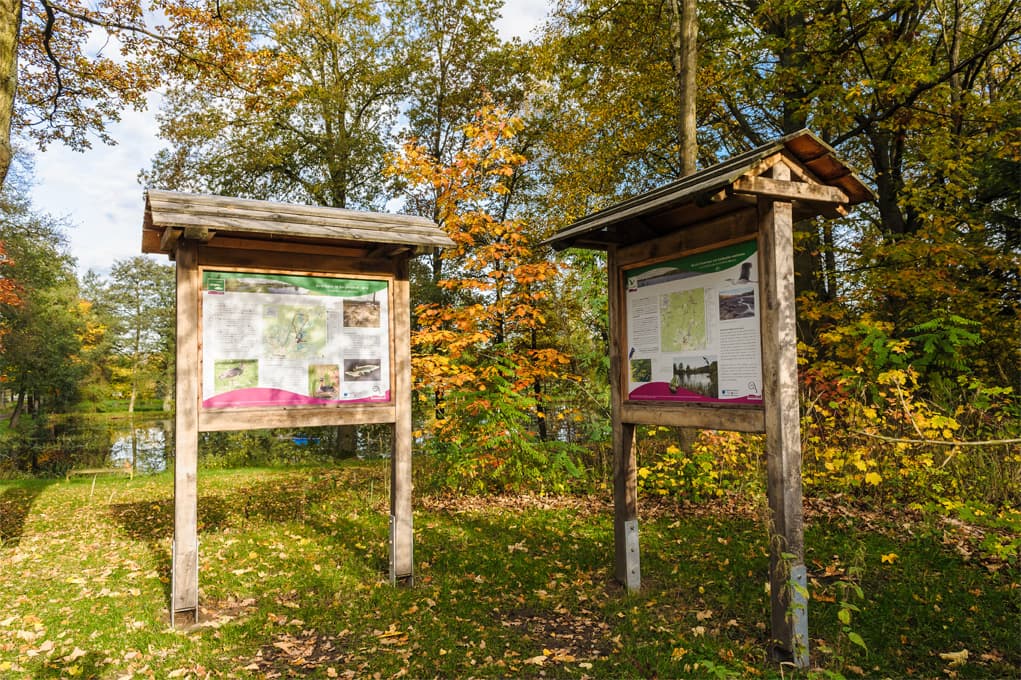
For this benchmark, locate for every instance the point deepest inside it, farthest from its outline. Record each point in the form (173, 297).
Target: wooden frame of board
(222, 234)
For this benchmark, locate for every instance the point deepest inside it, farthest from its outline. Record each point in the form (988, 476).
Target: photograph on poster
(361, 314)
(273, 339)
(323, 381)
(693, 328)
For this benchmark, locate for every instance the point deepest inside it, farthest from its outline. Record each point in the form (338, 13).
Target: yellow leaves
(392, 636)
(873, 478)
(888, 558)
(955, 658)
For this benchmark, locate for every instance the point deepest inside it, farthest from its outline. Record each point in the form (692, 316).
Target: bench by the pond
(126, 469)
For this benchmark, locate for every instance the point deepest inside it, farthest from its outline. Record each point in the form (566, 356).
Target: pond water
(144, 446)
(83, 441)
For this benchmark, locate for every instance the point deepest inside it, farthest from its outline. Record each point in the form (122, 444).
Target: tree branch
(938, 442)
(51, 19)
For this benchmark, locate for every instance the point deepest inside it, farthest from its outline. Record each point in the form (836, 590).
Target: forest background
(908, 308)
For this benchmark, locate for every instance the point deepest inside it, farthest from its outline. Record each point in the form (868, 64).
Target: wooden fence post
(627, 554)
(401, 525)
(185, 578)
(787, 575)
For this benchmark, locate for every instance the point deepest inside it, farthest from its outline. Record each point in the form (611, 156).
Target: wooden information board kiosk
(702, 331)
(287, 316)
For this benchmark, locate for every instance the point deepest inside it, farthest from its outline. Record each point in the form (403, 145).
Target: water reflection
(144, 447)
(73, 441)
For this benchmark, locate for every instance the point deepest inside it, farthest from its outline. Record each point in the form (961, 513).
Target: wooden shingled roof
(821, 184)
(171, 215)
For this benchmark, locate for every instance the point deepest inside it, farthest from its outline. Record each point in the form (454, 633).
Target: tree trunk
(345, 441)
(808, 272)
(16, 413)
(540, 407)
(134, 443)
(954, 41)
(830, 260)
(168, 386)
(886, 161)
(684, 44)
(10, 29)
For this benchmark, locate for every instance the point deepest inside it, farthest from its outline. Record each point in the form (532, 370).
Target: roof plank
(166, 212)
(826, 185)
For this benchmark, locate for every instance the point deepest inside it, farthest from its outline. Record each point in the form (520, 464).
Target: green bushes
(486, 440)
(715, 462)
(887, 421)
(258, 448)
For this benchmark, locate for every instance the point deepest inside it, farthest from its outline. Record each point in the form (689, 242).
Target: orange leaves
(477, 354)
(8, 287)
(493, 260)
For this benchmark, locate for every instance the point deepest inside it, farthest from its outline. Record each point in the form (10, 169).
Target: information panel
(272, 340)
(693, 328)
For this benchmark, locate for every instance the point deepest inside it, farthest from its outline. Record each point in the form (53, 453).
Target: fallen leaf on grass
(537, 660)
(955, 658)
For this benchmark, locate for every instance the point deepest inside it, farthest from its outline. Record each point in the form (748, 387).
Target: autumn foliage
(8, 287)
(476, 357)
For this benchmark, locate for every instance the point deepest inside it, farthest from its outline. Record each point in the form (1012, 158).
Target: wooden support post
(184, 595)
(627, 556)
(401, 526)
(627, 562)
(787, 576)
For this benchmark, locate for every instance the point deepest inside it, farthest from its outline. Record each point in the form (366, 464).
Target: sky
(98, 194)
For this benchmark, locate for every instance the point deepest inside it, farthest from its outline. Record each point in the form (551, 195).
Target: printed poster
(285, 340)
(693, 328)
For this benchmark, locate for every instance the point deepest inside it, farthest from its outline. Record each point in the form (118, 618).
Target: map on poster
(285, 340)
(693, 328)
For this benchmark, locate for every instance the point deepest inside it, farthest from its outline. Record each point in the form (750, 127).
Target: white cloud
(522, 18)
(97, 191)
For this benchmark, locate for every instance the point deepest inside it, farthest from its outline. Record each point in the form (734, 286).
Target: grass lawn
(293, 584)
